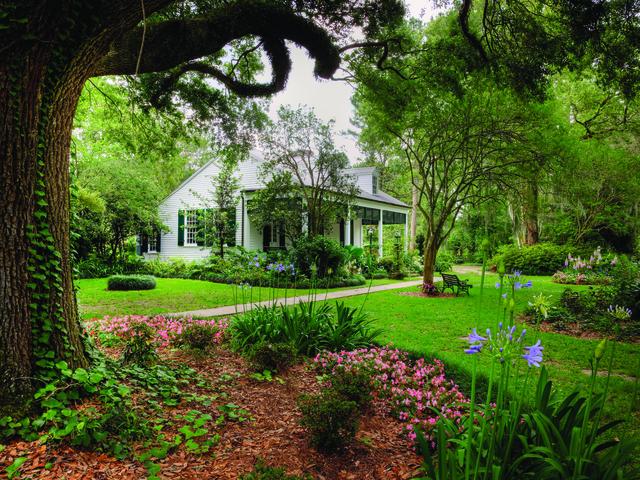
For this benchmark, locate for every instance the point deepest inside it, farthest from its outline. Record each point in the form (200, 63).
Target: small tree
(279, 203)
(221, 202)
(302, 157)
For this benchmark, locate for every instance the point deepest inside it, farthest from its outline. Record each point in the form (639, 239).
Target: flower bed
(596, 270)
(415, 392)
(168, 330)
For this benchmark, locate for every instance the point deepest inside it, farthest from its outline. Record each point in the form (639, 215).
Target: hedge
(131, 282)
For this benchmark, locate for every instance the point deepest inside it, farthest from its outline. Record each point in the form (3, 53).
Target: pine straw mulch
(274, 434)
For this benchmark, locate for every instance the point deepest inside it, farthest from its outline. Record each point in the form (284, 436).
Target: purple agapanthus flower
(473, 349)
(504, 295)
(498, 285)
(529, 284)
(517, 285)
(534, 354)
(474, 337)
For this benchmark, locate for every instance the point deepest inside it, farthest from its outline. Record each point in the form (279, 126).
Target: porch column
(380, 234)
(347, 230)
(406, 234)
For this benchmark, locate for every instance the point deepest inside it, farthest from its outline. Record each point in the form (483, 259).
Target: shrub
(444, 262)
(309, 326)
(131, 282)
(539, 259)
(355, 385)
(416, 392)
(326, 254)
(331, 420)
(139, 348)
(272, 356)
(92, 267)
(351, 328)
(198, 336)
(262, 471)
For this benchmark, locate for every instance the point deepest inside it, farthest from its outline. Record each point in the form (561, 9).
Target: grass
(170, 295)
(438, 327)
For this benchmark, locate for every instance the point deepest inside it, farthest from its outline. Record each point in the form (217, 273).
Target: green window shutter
(201, 227)
(158, 241)
(180, 228)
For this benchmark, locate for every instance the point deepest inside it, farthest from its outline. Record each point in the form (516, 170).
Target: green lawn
(439, 326)
(170, 295)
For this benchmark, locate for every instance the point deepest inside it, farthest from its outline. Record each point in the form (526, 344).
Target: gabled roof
(380, 197)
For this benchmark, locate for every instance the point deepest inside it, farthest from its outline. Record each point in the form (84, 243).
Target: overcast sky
(330, 99)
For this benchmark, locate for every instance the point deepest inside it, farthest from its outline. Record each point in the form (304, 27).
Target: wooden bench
(455, 284)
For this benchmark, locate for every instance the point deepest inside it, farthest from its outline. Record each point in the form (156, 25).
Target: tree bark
(530, 214)
(429, 265)
(20, 116)
(413, 226)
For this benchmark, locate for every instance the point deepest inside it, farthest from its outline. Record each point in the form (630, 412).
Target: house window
(374, 184)
(153, 244)
(191, 227)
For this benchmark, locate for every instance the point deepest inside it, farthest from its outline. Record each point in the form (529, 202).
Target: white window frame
(191, 228)
(152, 240)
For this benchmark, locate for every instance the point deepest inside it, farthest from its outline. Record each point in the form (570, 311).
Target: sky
(330, 99)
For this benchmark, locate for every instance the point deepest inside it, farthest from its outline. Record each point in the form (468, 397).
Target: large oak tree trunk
(20, 117)
(40, 84)
(39, 322)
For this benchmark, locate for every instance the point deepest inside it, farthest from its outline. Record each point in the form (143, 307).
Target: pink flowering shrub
(167, 330)
(415, 392)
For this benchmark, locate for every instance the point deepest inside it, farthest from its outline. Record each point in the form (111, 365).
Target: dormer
(366, 178)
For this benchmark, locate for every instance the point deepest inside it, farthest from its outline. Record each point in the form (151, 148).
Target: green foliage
(139, 347)
(131, 282)
(199, 337)
(539, 259)
(331, 420)
(444, 262)
(300, 150)
(353, 385)
(327, 255)
(262, 471)
(272, 356)
(556, 438)
(310, 326)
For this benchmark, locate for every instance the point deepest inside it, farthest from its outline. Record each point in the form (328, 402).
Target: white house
(180, 212)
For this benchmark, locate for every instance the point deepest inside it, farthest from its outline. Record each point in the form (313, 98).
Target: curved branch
(278, 56)
(463, 18)
(172, 43)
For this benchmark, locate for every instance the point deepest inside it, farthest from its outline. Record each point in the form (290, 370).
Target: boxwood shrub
(131, 282)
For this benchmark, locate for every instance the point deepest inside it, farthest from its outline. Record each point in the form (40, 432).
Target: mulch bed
(380, 452)
(429, 295)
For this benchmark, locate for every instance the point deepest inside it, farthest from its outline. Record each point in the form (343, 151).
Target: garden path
(320, 296)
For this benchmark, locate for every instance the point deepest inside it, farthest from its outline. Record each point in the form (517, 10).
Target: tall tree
(48, 50)
(460, 137)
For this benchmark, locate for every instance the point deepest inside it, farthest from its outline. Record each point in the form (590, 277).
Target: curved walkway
(233, 309)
